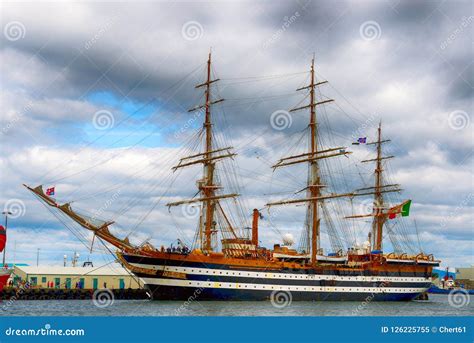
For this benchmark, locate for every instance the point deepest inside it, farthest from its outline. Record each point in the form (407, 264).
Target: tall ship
(226, 262)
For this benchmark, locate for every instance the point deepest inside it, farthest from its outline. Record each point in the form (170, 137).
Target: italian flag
(403, 209)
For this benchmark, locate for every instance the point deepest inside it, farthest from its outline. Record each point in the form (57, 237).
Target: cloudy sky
(95, 97)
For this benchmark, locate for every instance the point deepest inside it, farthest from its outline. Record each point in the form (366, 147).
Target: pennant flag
(362, 140)
(50, 191)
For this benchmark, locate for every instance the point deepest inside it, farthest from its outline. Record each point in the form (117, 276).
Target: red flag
(50, 191)
(3, 238)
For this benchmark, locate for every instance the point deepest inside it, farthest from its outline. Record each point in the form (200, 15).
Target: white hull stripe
(268, 275)
(251, 286)
(393, 260)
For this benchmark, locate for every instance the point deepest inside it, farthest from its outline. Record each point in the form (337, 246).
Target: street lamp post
(37, 256)
(6, 213)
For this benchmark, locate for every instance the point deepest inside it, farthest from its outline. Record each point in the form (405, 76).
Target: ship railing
(424, 257)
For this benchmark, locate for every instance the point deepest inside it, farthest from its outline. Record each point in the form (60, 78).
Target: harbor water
(437, 305)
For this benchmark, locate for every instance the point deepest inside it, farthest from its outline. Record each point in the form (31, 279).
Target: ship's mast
(312, 157)
(208, 188)
(314, 186)
(377, 225)
(379, 212)
(378, 190)
(207, 185)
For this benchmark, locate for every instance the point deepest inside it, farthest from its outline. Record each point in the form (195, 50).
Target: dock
(69, 294)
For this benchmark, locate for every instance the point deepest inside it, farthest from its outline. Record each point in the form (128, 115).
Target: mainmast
(314, 186)
(311, 157)
(207, 185)
(208, 189)
(377, 225)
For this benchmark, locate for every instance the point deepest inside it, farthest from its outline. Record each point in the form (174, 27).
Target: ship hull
(209, 294)
(183, 280)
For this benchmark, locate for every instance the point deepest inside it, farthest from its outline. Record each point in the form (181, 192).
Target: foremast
(312, 157)
(207, 186)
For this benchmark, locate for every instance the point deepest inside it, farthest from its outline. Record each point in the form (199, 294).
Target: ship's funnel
(256, 215)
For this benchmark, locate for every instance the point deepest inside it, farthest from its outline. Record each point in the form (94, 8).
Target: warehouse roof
(108, 270)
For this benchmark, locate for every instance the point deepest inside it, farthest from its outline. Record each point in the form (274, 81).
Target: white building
(110, 276)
